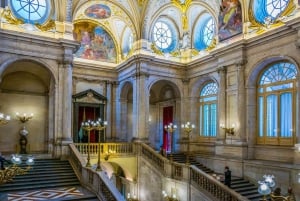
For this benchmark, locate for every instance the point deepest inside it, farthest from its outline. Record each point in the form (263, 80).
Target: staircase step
(47, 174)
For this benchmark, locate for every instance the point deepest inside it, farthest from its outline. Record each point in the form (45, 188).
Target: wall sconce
(24, 118)
(129, 198)
(169, 198)
(229, 131)
(4, 119)
(10, 172)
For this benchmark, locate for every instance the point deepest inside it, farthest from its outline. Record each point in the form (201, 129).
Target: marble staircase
(48, 179)
(240, 185)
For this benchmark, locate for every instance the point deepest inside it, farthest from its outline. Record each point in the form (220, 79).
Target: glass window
(32, 11)
(208, 110)
(268, 9)
(204, 32)
(276, 98)
(164, 36)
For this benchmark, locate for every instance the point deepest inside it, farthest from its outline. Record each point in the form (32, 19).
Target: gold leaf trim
(212, 45)
(156, 50)
(10, 19)
(46, 27)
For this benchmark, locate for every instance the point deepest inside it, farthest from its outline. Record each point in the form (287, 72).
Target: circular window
(32, 11)
(162, 35)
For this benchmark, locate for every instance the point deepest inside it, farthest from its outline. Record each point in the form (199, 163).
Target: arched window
(208, 110)
(32, 11)
(276, 104)
(266, 10)
(164, 35)
(204, 32)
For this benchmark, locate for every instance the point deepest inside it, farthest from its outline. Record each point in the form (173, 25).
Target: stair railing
(204, 181)
(112, 149)
(197, 177)
(94, 181)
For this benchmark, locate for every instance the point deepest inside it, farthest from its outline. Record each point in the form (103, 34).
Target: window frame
(201, 104)
(279, 139)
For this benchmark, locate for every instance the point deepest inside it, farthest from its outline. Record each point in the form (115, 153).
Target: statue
(185, 42)
(23, 140)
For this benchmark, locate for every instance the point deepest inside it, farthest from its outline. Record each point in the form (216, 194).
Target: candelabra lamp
(4, 119)
(99, 126)
(265, 186)
(170, 128)
(188, 127)
(228, 131)
(88, 126)
(169, 198)
(133, 198)
(23, 132)
(24, 118)
(8, 173)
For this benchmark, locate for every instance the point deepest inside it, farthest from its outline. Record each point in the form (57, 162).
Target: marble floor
(45, 194)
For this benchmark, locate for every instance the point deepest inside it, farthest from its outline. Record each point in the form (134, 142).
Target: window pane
(278, 72)
(279, 87)
(286, 115)
(272, 116)
(213, 126)
(261, 117)
(205, 127)
(162, 35)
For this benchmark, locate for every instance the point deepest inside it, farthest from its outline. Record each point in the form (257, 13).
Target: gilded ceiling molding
(156, 50)
(212, 45)
(46, 27)
(183, 6)
(9, 17)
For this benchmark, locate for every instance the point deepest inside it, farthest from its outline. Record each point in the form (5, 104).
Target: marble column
(140, 107)
(241, 132)
(250, 127)
(67, 103)
(222, 102)
(109, 111)
(116, 107)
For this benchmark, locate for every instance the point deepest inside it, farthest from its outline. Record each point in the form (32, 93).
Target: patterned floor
(45, 194)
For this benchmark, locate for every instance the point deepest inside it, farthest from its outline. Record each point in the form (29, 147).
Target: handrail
(96, 182)
(158, 160)
(213, 186)
(112, 149)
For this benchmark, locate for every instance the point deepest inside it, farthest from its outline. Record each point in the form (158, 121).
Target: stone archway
(164, 101)
(126, 110)
(26, 87)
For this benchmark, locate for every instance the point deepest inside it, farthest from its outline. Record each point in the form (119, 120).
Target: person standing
(2, 160)
(227, 174)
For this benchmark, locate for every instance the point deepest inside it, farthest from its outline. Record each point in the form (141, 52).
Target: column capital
(221, 69)
(185, 80)
(241, 63)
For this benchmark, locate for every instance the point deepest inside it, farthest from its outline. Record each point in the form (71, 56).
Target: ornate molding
(46, 27)
(9, 17)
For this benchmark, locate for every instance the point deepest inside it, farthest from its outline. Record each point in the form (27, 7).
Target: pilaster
(222, 103)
